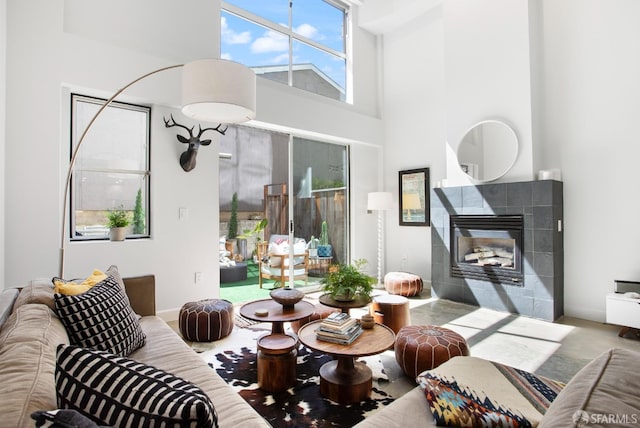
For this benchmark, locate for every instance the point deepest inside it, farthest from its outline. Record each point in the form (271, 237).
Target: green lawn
(248, 290)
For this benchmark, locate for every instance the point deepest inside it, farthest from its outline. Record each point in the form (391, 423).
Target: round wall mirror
(488, 150)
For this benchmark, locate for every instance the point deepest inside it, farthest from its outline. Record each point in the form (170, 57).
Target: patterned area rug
(234, 358)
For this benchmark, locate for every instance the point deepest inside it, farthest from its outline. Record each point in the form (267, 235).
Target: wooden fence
(328, 205)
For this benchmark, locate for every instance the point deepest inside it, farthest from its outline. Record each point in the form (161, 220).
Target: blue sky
(254, 45)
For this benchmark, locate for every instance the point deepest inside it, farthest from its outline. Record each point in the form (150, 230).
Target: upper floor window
(112, 167)
(301, 43)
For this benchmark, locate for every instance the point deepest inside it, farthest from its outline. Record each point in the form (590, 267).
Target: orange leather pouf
(206, 320)
(403, 284)
(424, 347)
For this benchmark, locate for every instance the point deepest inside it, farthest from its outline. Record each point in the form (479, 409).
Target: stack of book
(339, 328)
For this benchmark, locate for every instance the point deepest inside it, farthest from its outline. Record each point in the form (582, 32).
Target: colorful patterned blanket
(454, 404)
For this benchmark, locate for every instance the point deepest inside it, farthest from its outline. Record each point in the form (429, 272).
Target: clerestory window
(112, 168)
(301, 43)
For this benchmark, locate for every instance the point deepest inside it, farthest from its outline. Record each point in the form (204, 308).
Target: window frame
(74, 135)
(292, 35)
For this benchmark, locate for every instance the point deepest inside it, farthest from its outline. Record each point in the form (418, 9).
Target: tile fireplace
(500, 246)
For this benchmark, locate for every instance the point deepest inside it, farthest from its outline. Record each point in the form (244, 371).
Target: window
(301, 43)
(112, 167)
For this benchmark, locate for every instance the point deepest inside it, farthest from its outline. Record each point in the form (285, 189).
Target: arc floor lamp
(213, 90)
(379, 201)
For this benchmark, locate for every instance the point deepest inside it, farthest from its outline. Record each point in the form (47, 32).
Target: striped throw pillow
(118, 391)
(101, 319)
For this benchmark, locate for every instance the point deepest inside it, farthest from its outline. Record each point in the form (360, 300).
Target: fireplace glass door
(487, 248)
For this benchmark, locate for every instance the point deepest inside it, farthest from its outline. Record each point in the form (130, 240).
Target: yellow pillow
(71, 288)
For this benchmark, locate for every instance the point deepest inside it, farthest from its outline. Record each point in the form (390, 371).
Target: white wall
(487, 75)
(591, 110)
(50, 52)
(3, 105)
(573, 98)
(415, 133)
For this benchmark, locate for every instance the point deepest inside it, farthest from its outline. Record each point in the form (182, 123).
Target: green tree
(233, 220)
(138, 215)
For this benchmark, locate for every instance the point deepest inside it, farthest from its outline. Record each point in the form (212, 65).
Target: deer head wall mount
(188, 158)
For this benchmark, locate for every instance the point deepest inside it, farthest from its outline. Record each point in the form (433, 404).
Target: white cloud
(226, 56)
(308, 31)
(231, 37)
(281, 59)
(271, 41)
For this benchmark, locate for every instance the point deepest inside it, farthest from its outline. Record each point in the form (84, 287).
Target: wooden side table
(391, 310)
(345, 380)
(276, 314)
(277, 359)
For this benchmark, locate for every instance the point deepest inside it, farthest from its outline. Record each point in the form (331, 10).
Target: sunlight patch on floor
(530, 327)
(525, 353)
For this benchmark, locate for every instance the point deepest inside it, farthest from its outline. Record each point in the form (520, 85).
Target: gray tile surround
(540, 202)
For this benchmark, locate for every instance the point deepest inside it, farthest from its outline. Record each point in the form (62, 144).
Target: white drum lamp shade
(379, 201)
(218, 90)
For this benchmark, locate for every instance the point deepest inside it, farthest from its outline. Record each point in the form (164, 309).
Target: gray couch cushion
(28, 343)
(606, 387)
(7, 297)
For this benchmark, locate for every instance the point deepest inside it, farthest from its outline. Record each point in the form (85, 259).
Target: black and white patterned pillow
(119, 391)
(101, 319)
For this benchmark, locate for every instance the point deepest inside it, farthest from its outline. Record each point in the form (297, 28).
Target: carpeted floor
(234, 359)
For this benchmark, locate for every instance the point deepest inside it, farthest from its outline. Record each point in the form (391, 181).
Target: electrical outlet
(183, 213)
(197, 277)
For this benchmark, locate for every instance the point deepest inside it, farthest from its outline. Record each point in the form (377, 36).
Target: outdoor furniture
(403, 283)
(274, 264)
(206, 320)
(424, 347)
(233, 273)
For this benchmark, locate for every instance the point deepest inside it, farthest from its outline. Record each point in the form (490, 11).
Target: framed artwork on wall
(414, 197)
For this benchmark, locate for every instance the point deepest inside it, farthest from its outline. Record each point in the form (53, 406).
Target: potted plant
(346, 282)
(254, 233)
(118, 220)
(232, 232)
(324, 248)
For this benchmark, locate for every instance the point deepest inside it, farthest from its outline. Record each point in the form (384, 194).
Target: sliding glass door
(281, 177)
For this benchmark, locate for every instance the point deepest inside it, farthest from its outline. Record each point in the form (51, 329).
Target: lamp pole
(72, 162)
(379, 201)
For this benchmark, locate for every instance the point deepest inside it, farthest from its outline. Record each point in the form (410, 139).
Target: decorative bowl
(286, 296)
(367, 321)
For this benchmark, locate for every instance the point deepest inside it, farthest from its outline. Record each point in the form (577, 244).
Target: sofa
(31, 335)
(603, 393)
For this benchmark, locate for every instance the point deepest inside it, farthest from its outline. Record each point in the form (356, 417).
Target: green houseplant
(346, 282)
(117, 221)
(324, 248)
(255, 233)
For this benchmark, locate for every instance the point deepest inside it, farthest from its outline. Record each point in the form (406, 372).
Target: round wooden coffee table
(276, 314)
(345, 380)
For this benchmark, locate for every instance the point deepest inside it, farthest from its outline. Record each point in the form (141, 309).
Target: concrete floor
(556, 350)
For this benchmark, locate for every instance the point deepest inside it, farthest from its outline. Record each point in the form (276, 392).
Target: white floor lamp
(379, 201)
(213, 90)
